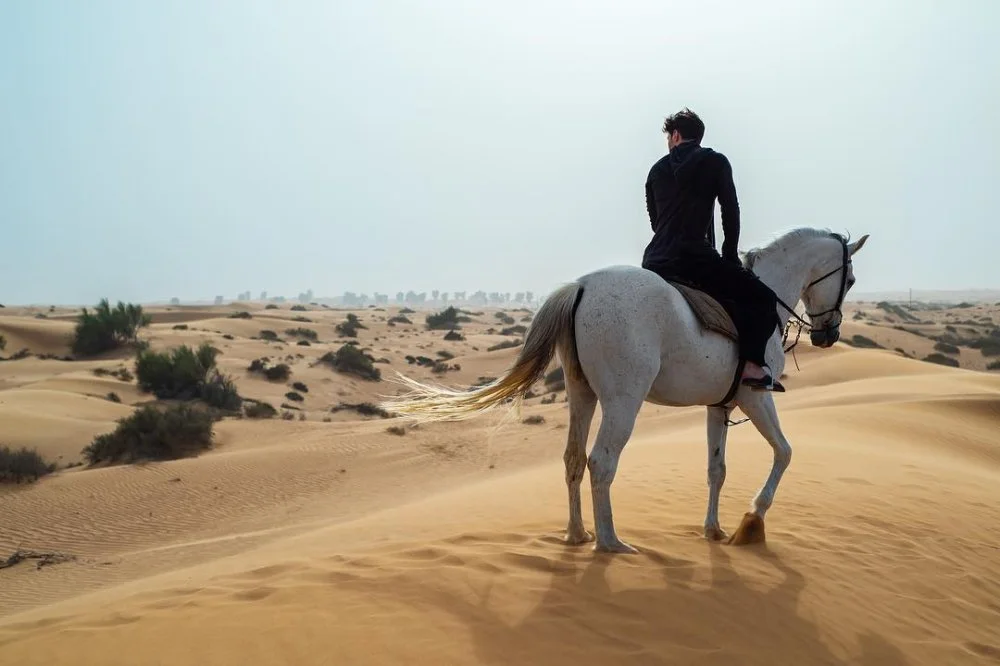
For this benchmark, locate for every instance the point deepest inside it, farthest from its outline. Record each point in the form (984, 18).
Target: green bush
(268, 335)
(22, 466)
(300, 332)
(299, 308)
(351, 360)
(274, 373)
(105, 328)
(259, 410)
(3, 343)
(993, 365)
(186, 374)
(946, 348)
(294, 397)
(299, 386)
(863, 342)
(270, 306)
(941, 359)
(178, 431)
(180, 327)
(241, 315)
(447, 319)
(506, 344)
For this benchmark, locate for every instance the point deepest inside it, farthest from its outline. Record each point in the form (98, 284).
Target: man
(680, 197)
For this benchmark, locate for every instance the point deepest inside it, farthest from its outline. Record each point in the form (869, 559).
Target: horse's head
(832, 276)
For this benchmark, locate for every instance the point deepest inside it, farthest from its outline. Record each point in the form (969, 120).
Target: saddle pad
(708, 311)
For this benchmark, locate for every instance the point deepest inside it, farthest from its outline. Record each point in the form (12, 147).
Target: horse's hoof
(577, 538)
(750, 531)
(619, 547)
(716, 534)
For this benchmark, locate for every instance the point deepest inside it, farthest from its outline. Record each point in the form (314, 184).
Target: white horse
(626, 336)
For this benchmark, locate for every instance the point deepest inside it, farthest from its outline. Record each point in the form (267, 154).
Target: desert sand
(325, 539)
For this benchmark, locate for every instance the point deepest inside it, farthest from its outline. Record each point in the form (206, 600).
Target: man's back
(680, 197)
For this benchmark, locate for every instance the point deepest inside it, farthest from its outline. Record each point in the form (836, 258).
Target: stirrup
(765, 383)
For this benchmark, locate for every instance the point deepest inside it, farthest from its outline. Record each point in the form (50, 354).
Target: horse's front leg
(717, 430)
(759, 407)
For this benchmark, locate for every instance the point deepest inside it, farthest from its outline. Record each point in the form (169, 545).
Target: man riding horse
(680, 197)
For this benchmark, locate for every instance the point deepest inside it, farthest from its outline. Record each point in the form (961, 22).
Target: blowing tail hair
(551, 329)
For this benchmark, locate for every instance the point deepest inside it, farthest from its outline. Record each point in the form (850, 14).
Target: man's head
(685, 125)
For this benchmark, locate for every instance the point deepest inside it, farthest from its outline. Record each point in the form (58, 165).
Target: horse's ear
(857, 245)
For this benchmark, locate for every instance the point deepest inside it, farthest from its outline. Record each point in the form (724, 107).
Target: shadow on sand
(678, 615)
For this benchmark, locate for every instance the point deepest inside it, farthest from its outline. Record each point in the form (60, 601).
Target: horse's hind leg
(617, 420)
(582, 403)
(759, 407)
(717, 432)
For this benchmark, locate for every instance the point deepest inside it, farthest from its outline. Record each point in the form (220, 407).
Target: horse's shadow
(675, 618)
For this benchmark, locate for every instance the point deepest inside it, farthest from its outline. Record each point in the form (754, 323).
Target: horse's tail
(551, 328)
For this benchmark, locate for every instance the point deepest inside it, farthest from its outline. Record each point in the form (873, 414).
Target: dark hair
(687, 123)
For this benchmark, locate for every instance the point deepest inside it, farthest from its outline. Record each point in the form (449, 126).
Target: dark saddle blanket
(708, 310)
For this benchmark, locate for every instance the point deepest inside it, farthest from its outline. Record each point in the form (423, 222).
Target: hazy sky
(159, 149)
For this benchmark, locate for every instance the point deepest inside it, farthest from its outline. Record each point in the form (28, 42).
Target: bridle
(802, 323)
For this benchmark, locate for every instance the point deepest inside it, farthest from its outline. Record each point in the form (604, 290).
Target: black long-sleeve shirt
(680, 198)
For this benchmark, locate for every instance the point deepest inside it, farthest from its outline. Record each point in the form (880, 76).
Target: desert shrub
(220, 391)
(270, 306)
(179, 431)
(941, 359)
(304, 343)
(862, 342)
(894, 309)
(454, 336)
(186, 374)
(504, 318)
(398, 319)
(396, 430)
(534, 419)
(445, 354)
(946, 348)
(555, 376)
(526, 318)
(988, 346)
(278, 373)
(22, 466)
(483, 381)
(347, 330)
(506, 344)
(299, 386)
(180, 327)
(514, 330)
(228, 337)
(294, 397)
(300, 332)
(113, 397)
(362, 408)
(122, 374)
(351, 360)
(299, 308)
(105, 328)
(268, 335)
(449, 318)
(902, 352)
(410, 311)
(241, 315)
(3, 343)
(304, 320)
(993, 365)
(259, 410)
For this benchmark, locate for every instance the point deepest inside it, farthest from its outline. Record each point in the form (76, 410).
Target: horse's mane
(787, 240)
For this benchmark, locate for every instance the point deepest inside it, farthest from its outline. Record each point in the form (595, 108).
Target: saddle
(707, 310)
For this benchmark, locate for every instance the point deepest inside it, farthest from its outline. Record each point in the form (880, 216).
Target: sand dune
(312, 542)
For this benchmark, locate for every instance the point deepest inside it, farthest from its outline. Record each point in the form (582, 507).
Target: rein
(802, 323)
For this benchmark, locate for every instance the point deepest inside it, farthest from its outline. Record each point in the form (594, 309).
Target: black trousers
(752, 305)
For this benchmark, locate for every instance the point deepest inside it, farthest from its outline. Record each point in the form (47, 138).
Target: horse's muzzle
(825, 337)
